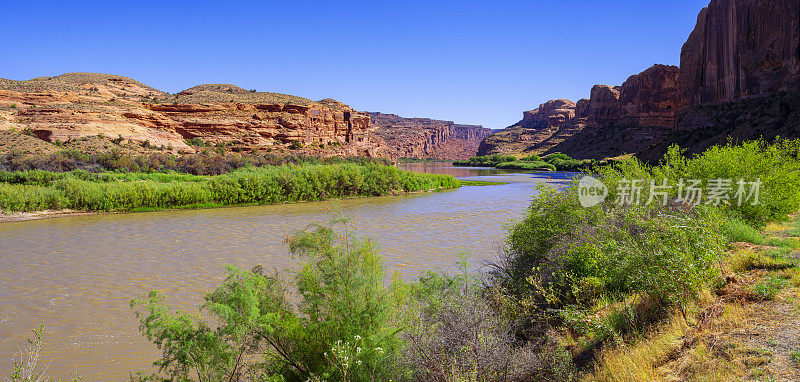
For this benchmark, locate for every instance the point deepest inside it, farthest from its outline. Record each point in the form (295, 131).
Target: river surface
(77, 274)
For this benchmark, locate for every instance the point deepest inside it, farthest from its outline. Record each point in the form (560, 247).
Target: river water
(77, 274)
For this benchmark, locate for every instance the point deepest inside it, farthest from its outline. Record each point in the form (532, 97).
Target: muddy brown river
(77, 274)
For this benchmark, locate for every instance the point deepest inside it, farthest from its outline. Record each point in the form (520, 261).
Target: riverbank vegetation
(37, 190)
(551, 162)
(594, 293)
(617, 291)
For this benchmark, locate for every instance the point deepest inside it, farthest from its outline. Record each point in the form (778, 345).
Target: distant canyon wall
(425, 138)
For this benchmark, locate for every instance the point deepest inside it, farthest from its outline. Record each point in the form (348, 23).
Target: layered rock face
(741, 48)
(77, 105)
(739, 77)
(647, 100)
(425, 138)
(551, 114)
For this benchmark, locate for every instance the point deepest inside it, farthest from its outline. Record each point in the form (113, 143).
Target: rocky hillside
(74, 106)
(425, 138)
(739, 77)
(77, 105)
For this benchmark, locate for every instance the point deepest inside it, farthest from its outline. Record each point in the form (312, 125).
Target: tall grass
(40, 190)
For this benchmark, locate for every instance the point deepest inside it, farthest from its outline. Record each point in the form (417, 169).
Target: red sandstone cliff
(76, 105)
(741, 48)
(739, 77)
(647, 100)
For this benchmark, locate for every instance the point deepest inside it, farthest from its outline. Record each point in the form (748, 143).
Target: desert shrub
(339, 329)
(454, 333)
(564, 256)
(204, 163)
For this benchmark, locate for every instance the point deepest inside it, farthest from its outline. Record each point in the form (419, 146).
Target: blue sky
(472, 62)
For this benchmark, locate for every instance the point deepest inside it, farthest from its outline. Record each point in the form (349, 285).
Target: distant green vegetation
(79, 190)
(551, 162)
(480, 183)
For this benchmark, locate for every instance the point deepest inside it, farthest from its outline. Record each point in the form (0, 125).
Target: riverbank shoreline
(15, 217)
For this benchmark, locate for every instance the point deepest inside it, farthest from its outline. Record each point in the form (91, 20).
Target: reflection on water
(78, 274)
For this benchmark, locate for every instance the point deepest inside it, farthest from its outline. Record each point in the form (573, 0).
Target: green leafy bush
(339, 329)
(775, 165)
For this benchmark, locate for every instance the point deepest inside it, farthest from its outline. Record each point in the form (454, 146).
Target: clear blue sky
(473, 62)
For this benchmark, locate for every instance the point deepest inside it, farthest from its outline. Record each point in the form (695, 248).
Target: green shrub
(562, 254)
(775, 165)
(339, 328)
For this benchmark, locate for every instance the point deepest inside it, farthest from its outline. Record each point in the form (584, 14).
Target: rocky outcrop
(739, 79)
(741, 48)
(551, 114)
(76, 105)
(651, 98)
(647, 100)
(425, 138)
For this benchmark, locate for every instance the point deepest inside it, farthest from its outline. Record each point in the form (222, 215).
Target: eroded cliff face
(76, 105)
(425, 138)
(741, 48)
(739, 77)
(647, 101)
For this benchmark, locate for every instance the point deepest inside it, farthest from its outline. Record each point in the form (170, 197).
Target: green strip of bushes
(78, 190)
(551, 162)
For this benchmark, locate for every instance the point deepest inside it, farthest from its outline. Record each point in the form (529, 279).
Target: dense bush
(79, 190)
(563, 254)
(453, 332)
(562, 260)
(776, 166)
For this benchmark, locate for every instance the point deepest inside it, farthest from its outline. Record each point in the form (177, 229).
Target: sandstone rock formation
(76, 105)
(741, 48)
(551, 114)
(425, 138)
(646, 101)
(739, 78)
